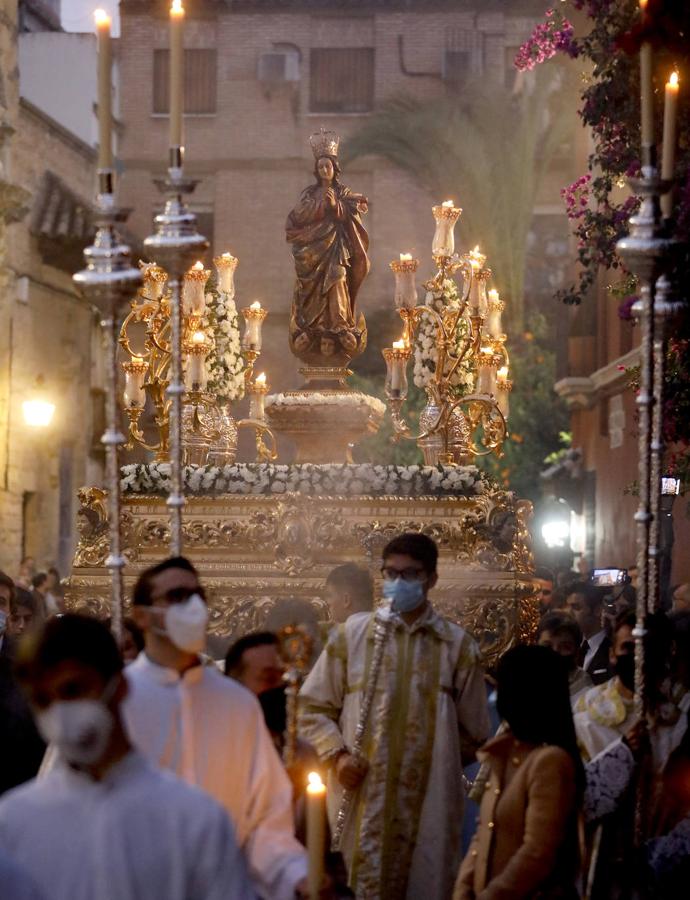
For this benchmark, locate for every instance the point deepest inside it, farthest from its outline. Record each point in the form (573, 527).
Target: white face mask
(80, 729)
(185, 623)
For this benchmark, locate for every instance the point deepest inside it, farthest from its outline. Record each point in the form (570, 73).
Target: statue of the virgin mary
(329, 245)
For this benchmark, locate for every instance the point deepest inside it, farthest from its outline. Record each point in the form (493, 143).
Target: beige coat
(526, 840)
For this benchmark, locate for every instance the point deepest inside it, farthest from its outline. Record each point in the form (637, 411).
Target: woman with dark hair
(329, 246)
(526, 842)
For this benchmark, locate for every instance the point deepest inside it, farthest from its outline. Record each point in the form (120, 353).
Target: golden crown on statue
(324, 143)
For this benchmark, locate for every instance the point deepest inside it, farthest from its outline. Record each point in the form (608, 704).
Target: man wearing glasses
(429, 714)
(185, 716)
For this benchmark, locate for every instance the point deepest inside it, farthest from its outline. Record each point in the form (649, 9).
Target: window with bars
(342, 80)
(199, 81)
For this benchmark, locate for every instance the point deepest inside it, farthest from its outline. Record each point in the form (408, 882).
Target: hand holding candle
(316, 833)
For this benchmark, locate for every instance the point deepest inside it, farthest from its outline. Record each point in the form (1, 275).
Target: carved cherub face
(325, 168)
(327, 346)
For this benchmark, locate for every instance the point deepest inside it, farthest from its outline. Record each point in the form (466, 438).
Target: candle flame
(405, 257)
(176, 8)
(502, 373)
(487, 350)
(673, 80)
(255, 305)
(138, 360)
(199, 337)
(399, 345)
(643, 5)
(227, 255)
(315, 781)
(448, 204)
(101, 18)
(198, 266)
(494, 295)
(261, 379)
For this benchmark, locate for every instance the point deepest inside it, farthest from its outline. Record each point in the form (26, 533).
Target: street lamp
(38, 411)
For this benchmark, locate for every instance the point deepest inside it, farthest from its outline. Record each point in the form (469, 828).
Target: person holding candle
(401, 837)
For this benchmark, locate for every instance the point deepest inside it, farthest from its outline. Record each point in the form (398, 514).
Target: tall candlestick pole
(646, 95)
(176, 72)
(668, 157)
(105, 115)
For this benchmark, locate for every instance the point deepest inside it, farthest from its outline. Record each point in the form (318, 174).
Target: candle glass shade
(405, 287)
(253, 319)
(503, 389)
(487, 366)
(225, 270)
(155, 279)
(396, 372)
(493, 321)
(194, 292)
(196, 376)
(443, 244)
(134, 394)
(478, 298)
(257, 400)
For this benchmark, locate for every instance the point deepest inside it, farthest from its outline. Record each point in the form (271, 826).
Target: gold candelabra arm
(263, 453)
(482, 411)
(136, 436)
(250, 357)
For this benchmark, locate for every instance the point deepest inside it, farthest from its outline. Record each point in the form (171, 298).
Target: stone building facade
(262, 76)
(46, 330)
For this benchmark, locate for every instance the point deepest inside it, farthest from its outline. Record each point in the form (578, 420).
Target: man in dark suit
(22, 747)
(585, 603)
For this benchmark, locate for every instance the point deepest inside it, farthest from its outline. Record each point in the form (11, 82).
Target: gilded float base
(264, 559)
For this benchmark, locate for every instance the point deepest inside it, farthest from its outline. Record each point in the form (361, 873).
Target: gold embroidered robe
(403, 835)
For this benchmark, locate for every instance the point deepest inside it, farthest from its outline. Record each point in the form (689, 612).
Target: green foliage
(538, 417)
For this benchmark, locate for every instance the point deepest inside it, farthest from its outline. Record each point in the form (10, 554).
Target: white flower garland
(316, 480)
(224, 363)
(315, 398)
(425, 354)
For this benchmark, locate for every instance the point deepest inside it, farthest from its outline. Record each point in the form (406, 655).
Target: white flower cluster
(224, 363)
(315, 398)
(425, 354)
(327, 480)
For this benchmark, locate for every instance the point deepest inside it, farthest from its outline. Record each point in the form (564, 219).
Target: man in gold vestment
(401, 837)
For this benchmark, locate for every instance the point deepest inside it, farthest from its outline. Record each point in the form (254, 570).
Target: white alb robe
(137, 834)
(403, 836)
(210, 731)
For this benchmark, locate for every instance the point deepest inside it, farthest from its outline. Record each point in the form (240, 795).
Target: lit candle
(176, 72)
(253, 317)
(495, 307)
(668, 158)
(105, 115)
(316, 833)
(503, 388)
(257, 398)
(193, 290)
(478, 288)
(646, 96)
(196, 362)
(446, 215)
(404, 271)
(134, 393)
(225, 265)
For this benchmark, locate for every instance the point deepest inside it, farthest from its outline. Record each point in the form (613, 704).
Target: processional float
(264, 536)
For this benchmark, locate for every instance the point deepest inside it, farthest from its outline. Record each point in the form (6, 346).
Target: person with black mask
(605, 712)
(526, 840)
(561, 632)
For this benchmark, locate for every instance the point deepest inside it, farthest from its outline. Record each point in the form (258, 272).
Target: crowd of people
(147, 769)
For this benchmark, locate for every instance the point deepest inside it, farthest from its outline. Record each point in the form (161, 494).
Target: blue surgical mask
(406, 596)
